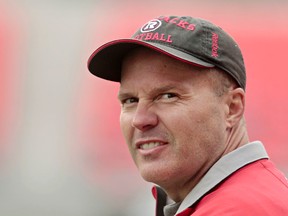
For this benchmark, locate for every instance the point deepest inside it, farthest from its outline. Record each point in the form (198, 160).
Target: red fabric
(256, 189)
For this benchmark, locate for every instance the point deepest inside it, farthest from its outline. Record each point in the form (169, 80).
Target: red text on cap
(179, 22)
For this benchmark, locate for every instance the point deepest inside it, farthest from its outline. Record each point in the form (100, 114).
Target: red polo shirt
(244, 182)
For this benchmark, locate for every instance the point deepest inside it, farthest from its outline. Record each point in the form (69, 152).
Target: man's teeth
(149, 145)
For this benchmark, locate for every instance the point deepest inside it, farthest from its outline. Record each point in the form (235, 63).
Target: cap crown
(198, 38)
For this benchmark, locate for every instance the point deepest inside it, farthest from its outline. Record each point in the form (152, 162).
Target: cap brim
(106, 61)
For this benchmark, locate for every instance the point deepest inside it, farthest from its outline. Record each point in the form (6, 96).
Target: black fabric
(161, 202)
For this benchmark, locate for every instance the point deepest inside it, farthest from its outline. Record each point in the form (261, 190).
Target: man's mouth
(150, 145)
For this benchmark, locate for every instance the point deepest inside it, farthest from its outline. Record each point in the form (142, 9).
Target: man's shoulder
(259, 174)
(257, 179)
(257, 188)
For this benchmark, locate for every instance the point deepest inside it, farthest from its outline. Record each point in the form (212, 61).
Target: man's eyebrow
(154, 91)
(122, 95)
(162, 89)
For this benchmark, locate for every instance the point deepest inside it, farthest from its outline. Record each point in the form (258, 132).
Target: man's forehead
(142, 61)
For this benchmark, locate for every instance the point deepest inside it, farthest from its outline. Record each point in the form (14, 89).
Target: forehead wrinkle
(161, 89)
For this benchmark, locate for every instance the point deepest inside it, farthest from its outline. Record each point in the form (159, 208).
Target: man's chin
(155, 176)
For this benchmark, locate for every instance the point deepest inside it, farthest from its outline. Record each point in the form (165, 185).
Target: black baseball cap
(188, 39)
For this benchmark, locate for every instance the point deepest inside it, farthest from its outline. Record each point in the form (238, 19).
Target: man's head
(180, 113)
(176, 118)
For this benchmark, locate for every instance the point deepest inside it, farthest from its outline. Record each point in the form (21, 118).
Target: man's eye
(166, 96)
(130, 101)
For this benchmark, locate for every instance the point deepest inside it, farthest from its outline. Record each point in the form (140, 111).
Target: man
(182, 90)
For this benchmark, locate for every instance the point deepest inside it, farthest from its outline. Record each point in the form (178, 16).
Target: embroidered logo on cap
(215, 45)
(152, 25)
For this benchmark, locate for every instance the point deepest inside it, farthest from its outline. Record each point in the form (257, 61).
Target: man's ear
(236, 106)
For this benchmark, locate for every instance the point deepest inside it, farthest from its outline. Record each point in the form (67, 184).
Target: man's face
(172, 120)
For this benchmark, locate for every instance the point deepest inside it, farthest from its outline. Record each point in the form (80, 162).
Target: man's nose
(144, 118)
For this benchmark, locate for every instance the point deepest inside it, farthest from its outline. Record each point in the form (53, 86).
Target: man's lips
(149, 144)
